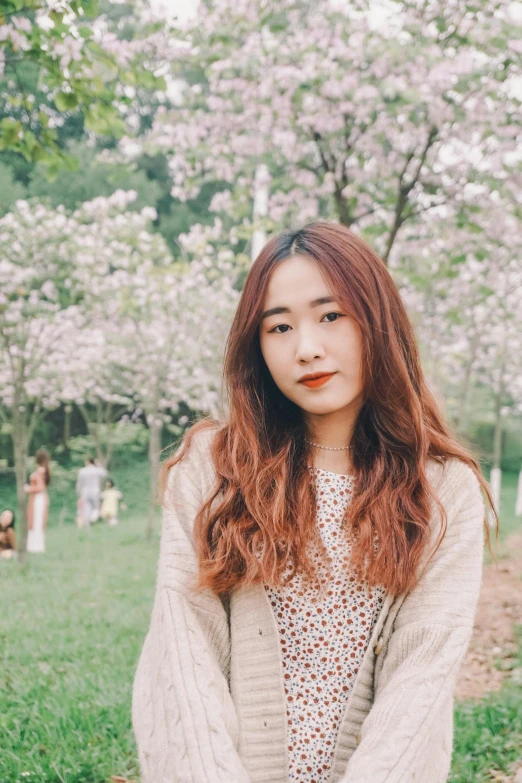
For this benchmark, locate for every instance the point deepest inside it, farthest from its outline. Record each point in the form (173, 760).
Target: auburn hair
(42, 459)
(260, 517)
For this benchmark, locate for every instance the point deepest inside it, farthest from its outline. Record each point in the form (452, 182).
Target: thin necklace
(328, 448)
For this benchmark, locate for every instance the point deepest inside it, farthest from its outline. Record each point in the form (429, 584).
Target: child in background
(110, 501)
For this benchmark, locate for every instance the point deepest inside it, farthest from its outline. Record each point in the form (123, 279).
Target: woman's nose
(308, 347)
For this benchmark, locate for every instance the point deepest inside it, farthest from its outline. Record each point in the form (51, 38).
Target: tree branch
(405, 189)
(28, 112)
(327, 165)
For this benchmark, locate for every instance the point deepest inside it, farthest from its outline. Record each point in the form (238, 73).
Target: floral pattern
(324, 635)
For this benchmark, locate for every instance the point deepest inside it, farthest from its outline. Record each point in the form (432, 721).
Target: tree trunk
(67, 426)
(518, 503)
(96, 433)
(155, 431)
(21, 448)
(464, 396)
(497, 437)
(343, 210)
(261, 194)
(392, 236)
(496, 474)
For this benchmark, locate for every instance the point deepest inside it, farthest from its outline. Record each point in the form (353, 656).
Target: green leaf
(88, 7)
(129, 77)
(69, 162)
(66, 101)
(38, 154)
(44, 119)
(15, 100)
(30, 141)
(10, 131)
(104, 120)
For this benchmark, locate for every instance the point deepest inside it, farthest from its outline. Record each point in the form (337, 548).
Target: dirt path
(490, 658)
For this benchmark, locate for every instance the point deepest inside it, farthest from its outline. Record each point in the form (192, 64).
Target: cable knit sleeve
(412, 709)
(183, 714)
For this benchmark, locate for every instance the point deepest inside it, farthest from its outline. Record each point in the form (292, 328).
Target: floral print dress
(324, 635)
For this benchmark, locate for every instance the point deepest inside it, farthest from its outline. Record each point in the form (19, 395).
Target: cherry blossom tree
(375, 113)
(94, 310)
(499, 361)
(172, 334)
(54, 267)
(94, 378)
(465, 293)
(60, 57)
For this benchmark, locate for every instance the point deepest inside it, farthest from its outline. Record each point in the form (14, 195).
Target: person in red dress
(38, 504)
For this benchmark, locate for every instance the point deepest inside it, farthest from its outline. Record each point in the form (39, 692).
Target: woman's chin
(325, 406)
(321, 409)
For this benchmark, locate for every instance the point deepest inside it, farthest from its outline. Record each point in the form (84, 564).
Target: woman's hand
(27, 487)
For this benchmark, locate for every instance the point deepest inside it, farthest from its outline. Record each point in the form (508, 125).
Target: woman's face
(6, 517)
(304, 331)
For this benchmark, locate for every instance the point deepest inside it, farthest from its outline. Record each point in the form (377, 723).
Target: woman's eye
(283, 328)
(332, 319)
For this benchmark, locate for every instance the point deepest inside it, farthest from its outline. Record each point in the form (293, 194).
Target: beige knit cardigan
(209, 702)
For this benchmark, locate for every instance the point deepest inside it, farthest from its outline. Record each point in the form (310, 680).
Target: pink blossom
(68, 50)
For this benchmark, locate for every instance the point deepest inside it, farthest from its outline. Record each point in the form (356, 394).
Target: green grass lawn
(72, 628)
(488, 735)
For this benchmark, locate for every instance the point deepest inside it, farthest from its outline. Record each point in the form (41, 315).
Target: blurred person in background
(88, 490)
(7, 535)
(38, 504)
(110, 498)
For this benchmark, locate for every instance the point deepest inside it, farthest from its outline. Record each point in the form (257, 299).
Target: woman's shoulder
(452, 476)
(190, 479)
(457, 487)
(195, 463)
(202, 436)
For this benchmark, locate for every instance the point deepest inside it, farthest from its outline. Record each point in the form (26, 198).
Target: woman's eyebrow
(315, 303)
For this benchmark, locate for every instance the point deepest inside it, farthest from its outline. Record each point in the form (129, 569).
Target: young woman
(38, 504)
(321, 548)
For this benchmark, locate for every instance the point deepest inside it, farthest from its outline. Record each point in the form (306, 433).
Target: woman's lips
(314, 383)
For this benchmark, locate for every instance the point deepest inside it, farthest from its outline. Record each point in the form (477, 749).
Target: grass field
(72, 628)
(488, 734)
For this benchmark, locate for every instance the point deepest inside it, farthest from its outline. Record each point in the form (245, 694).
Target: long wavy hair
(259, 520)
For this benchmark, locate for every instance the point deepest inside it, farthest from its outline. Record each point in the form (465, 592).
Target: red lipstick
(315, 380)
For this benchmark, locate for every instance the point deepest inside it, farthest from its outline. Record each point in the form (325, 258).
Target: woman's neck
(332, 432)
(334, 461)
